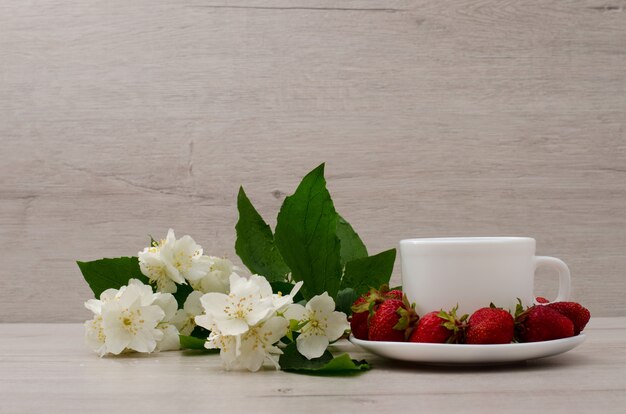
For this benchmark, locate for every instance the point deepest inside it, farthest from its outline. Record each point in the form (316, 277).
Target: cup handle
(564, 275)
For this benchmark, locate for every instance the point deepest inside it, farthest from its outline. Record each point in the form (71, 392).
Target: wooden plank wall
(436, 118)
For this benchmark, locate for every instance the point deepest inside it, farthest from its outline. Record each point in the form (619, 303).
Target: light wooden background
(121, 119)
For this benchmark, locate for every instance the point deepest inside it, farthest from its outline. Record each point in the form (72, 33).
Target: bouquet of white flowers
(304, 278)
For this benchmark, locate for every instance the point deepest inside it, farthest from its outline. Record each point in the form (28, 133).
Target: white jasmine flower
(235, 313)
(322, 324)
(184, 319)
(246, 324)
(164, 276)
(253, 348)
(132, 318)
(184, 258)
(127, 323)
(171, 261)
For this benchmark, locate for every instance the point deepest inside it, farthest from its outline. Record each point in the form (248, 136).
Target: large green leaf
(352, 246)
(307, 238)
(292, 360)
(105, 274)
(255, 242)
(365, 273)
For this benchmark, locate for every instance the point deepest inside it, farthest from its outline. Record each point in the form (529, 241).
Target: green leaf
(291, 360)
(306, 236)
(345, 298)
(343, 362)
(369, 272)
(255, 243)
(191, 342)
(352, 246)
(105, 274)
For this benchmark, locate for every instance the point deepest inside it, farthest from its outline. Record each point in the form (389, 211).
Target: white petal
(197, 271)
(192, 303)
(187, 245)
(108, 295)
(170, 340)
(240, 286)
(142, 343)
(145, 292)
(94, 335)
(265, 289)
(296, 289)
(168, 303)
(213, 282)
(174, 274)
(323, 304)
(166, 285)
(171, 237)
(129, 297)
(312, 346)
(296, 311)
(252, 360)
(228, 351)
(260, 312)
(94, 305)
(280, 303)
(117, 340)
(152, 315)
(337, 324)
(205, 321)
(214, 303)
(274, 329)
(180, 320)
(231, 326)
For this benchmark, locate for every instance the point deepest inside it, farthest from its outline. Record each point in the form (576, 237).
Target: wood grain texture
(66, 377)
(122, 119)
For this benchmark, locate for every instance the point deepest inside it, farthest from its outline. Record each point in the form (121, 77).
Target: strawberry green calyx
(374, 297)
(371, 298)
(454, 324)
(408, 317)
(519, 309)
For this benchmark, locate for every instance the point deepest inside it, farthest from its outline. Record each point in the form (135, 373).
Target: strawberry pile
(384, 315)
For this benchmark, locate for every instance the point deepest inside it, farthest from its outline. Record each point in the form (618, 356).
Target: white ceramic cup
(473, 272)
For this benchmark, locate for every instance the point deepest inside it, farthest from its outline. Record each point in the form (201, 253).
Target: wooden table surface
(47, 368)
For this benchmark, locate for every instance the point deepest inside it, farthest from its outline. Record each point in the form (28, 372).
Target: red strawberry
(394, 294)
(366, 305)
(391, 321)
(541, 299)
(577, 313)
(541, 323)
(490, 326)
(439, 327)
(360, 316)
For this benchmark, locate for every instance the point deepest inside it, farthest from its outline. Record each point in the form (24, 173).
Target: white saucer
(468, 354)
